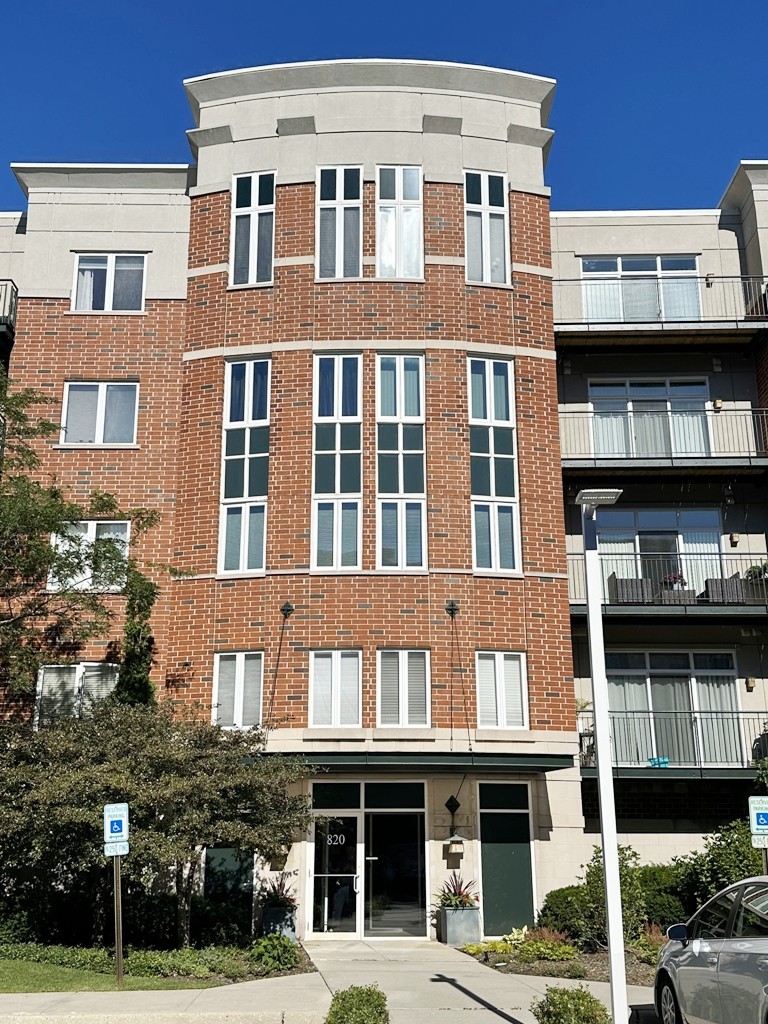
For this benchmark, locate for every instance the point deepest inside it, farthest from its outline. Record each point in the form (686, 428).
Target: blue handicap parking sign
(116, 827)
(762, 819)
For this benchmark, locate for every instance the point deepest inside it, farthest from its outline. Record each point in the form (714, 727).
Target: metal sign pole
(765, 861)
(118, 922)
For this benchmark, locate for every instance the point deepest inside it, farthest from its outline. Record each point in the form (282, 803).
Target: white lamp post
(589, 501)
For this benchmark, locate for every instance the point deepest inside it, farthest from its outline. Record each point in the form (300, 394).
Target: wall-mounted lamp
(750, 683)
(287, 609)
(452, 609)
(709, 280)
(734, 539)
(717, 405)
(728, 492)
(455, 844)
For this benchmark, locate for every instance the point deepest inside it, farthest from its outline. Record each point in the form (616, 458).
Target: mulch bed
(586, 966)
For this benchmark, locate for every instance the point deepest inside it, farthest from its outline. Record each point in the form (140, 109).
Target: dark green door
(506, 862)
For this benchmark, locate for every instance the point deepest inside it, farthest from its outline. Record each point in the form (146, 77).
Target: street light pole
(590, 500)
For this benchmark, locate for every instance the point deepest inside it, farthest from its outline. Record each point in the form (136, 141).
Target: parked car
(714, 968)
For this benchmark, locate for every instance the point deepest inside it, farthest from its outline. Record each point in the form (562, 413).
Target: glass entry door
(395, 891)
(337, 875)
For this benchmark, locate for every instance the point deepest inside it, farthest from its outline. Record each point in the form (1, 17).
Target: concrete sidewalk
(425, 983)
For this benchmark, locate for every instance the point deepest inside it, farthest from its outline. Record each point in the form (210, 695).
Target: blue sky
(656, 102)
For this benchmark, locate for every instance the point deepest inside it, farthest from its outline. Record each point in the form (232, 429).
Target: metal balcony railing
(665, 299)
(682, 579)
(9, 294)
(683, 433)
(679, 739)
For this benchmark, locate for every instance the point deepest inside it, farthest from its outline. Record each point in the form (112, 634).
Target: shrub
(727, 856)
(79, 957)
(594, 934)
(661, 885)
(548, 935)
(570, 1006)
(647, 946)
(541, 949)
(14, 926)
(358, 1005)
(563, 911)
(275, 952)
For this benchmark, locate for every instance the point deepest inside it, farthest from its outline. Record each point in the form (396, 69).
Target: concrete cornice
(120, 177)
(748, 176)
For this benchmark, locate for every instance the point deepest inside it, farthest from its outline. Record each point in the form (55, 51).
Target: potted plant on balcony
(278, 906)
(458, 913)
(673, 589)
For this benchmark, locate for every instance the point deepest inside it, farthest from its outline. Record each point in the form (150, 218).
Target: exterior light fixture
(452, 609)
(287, 610)
(455, 844)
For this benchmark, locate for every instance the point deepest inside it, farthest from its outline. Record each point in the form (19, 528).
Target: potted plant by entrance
(278, 907)
(458, 913)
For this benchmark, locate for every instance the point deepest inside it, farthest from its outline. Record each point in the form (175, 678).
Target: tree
(189, 784)
(727, 856)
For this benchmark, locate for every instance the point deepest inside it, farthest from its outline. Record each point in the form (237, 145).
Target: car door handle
(762, 963)
(712, 960)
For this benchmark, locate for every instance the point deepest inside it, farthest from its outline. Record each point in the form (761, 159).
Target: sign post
(116, 846)
(758, 826)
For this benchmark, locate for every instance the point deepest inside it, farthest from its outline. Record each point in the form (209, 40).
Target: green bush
(79, 957)
(595, 934)
(542, 949)
(661, 885)
(358, 1005)
(14, 925)
(563, 911)
(727, 856)
(275, 952)
(570, 1006)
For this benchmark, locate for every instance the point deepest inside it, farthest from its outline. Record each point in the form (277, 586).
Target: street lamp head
(591, 497)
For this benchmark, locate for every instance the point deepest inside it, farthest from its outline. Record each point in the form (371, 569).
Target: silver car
(714, 969)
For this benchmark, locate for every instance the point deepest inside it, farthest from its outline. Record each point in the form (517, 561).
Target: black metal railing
(679, 739)
(9, 294)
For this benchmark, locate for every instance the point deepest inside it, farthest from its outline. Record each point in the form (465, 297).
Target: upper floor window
(641, 288)
(109, 282)
(237, 692)
(335, 688)
(253, 228)
(245, 466)
(90, 556)
(501, 690)
(487, 232)
(495, 512)
(339, 222)
(399, 222)
(337, 462)
(403, 688)
(68, 691)
(99, 413)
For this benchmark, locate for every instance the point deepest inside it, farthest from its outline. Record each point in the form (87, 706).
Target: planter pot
(279, 919)
(458, 925)
(681, 596)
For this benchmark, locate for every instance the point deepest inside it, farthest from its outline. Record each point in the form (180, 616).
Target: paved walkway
(425, 983)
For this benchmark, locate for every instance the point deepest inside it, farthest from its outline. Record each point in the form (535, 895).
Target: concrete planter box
(458, 925)
(678, 596)
(279, 919)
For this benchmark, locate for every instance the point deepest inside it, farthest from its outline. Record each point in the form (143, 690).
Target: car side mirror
(678, 933)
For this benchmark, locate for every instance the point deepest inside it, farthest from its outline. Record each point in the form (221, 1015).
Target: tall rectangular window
(335, 688)
(109, 282)
(399, 222)
(339, 222)
(69, 691)
(245, 466)
(401, 477)
(486, 225)
(501, 690)
(337, 462)
(99, 413)
(495, 512)
(237, 694)
(253, 228)
(403, 688)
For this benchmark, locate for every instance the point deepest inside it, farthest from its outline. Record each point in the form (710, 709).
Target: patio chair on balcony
(629, 591)
(726, 591)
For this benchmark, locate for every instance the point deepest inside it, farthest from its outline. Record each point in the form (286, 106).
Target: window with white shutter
(501, 690)
(253, 228)
(404, 688)
(339, 222)
(486, 225)
(69, 691)
(238, 689)
(335, 688)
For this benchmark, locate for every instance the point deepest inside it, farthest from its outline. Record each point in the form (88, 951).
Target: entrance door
(395, 897)
(336, 890)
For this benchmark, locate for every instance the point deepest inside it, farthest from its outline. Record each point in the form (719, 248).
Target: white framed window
(99, 413)
(334, 688)
(237, 691)
(404, 696)
(68, 691)
(337, 462)
(400, 463)
(110, 282)
(486, 227)
(399, 222)
(89, 556)
(502, 697)
(493, 469)
(253, 228)
(641, 288)
(245, 466)
(339, 222)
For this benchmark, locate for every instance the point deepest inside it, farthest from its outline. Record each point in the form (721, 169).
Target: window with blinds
(339, 222)
(337, 460)
(109, 283)
(486, 227)
(69, 691)
(501, 691)
(99, 413)
(400, 463)
(335, 688)
(403, 688)
(238, 689)
(90, 556)
(253, 228)
(245, 467)
(399, 222)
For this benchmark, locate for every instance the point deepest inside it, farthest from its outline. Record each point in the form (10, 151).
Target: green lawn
(23, 976)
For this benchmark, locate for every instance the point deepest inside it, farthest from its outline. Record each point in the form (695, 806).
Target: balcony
(692, 437)
(662, 741)
(680, 584)
(662, 303)
(8, 299)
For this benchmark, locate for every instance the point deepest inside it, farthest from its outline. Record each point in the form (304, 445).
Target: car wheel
(670, 1011)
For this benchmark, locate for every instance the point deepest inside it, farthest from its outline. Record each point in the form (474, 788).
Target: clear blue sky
(655, 105)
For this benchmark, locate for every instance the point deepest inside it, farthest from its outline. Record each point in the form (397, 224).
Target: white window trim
(402, 681)
(486, 210)
(401, 503)
(252, 211)
(338, 357)
(499, 657)
(109, 291)
(239, 657)
(80, 668)
(335, 654)
(339, 205)
(399, 204)
(337, 502)
(101, 403)
(245, 506)
(89, 538)
(494, 504)
(400, 358)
